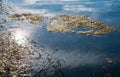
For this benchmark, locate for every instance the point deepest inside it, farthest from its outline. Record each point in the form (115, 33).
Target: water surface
(85, 56)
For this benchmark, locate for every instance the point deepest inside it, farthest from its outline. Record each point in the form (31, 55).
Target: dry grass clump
(24, 61)
(31, 18)
(69, 23)
(13, 61)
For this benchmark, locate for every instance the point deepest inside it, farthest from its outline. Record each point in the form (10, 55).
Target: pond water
(85, 56)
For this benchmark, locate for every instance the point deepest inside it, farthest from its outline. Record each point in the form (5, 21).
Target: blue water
(85, 56)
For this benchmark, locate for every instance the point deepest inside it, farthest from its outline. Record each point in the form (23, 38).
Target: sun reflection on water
(20, 36)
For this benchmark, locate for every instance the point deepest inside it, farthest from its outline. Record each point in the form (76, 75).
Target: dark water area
(85, 56)
(94, 71)
(106, 46)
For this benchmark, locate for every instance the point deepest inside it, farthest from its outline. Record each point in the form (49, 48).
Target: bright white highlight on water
(20, 36)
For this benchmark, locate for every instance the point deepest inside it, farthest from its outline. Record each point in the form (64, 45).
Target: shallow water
(85, 56)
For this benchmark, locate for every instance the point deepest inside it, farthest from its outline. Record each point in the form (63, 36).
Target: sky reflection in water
(85, 56)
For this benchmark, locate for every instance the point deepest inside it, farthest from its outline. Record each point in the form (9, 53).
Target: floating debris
(12, 57)
(31, 18)
(59, 27)
(109, 60)
(71, 22)
(68, 23)
(88, 32)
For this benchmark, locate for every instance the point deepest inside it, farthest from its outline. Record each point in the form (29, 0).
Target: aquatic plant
(17, 60)
(12, 56)
(31, 18)
(78, 24)
(68, 23)
(45, 64)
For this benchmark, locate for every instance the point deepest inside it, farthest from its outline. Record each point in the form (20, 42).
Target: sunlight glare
(20, 36)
